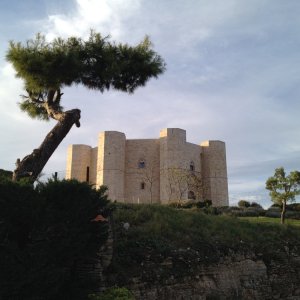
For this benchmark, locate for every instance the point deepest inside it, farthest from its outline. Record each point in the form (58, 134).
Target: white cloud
(105, 16)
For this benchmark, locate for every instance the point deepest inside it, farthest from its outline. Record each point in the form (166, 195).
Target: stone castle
(153, 170)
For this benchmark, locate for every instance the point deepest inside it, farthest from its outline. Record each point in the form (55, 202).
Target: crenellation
(153, 170)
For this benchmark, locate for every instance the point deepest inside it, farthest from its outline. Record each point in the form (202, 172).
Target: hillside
(174, 254)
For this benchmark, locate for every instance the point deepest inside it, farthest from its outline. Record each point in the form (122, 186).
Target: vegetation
(244, 203)
(283, 188)
(160, 233)
(270, 220)
(5, 175)
(113, 294)
(47, 67)
(46, 236)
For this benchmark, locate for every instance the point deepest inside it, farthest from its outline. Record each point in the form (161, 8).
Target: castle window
(142, 185)
(142, 164)
(192, 166)
(191, 195)
(87, 174)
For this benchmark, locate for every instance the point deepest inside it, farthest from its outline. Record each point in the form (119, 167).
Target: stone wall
(79, 159)
(214, 172)
(142, 171)
(111, 163)
(236, 275)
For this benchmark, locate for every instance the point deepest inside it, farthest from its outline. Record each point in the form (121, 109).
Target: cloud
(104, 16)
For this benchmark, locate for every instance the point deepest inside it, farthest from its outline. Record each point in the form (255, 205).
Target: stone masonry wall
(111, 163)
(142, 181)
(79, 159)
(214, 172)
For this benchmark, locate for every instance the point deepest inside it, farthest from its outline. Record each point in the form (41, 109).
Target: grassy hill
(160, 233)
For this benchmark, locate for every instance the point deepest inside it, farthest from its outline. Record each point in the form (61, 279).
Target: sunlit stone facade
(159, 170)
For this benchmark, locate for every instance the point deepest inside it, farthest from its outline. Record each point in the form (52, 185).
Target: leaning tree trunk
(32, 165)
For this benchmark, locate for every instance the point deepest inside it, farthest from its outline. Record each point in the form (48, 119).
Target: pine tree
(48, 67)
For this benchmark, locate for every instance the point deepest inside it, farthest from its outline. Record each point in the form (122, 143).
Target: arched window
(192, 166)
(141, 164)
(191, 195)
(143, 185)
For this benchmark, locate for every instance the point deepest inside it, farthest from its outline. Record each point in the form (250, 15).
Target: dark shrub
(244, 203)
(205, 203)
(255, 204)
(5, 175)
(294, 207)
(47, 233)
(113, 294)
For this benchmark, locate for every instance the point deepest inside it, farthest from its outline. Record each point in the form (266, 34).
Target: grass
(270, 220)
(189, 237)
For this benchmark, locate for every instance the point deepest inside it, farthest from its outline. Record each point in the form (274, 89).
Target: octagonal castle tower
(153, 170)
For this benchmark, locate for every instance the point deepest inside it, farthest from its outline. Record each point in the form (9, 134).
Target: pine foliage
(96, 63)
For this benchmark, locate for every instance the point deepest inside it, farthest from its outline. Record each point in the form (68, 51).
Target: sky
(233, 72)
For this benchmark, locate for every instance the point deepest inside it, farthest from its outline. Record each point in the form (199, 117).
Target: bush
(46, 235)
(255, 204)
(244, 203)
(245, 213)
(113, 294)
(294, 207)
(5, 175)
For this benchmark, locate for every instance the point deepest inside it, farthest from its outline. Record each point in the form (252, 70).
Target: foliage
(46, 233)
(5, 175)
(255, 204)
(95, 63)
(283, 188)
(205, 203)
(294, 207)
(113, 294)
(157, 233)
(244, 203)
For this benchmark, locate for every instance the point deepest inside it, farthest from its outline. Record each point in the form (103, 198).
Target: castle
(153, 170)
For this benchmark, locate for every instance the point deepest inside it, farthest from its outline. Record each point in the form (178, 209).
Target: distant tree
(244, 203)
(195, 184)
(150, 176)
(183, 182)
(47, 67)
(283, 188)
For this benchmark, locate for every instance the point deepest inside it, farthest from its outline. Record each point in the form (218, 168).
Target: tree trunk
(32, 165)
(282, 219)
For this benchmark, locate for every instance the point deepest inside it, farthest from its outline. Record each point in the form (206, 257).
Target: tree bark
(282, 218)
(32, 165)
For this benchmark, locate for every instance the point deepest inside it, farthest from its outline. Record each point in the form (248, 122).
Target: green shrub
(244, 203)
(113, 294)
(294, 207)
(255, 204)
(205, 203)
(5, 175)
(272, 213)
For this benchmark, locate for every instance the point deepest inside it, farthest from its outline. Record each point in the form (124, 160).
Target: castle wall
(176, 156)
(93, 166)
(214, 172)
(173, 169)
(111, 163)
(142, 171)
(78, 160)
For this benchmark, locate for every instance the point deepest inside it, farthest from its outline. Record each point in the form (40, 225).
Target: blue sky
(232, 74)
